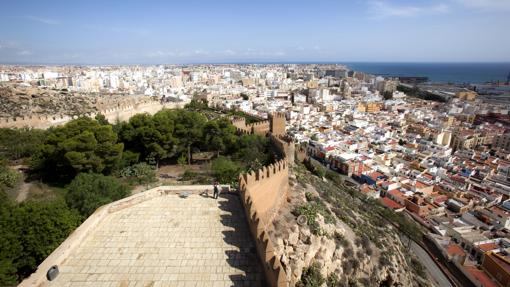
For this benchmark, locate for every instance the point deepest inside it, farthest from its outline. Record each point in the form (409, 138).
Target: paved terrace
(167, 241)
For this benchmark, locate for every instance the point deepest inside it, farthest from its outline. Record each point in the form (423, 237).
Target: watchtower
(277, 123)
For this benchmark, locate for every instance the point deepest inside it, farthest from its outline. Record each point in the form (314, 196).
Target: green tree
(81, 145)
(101, 119)
(388, 95)
(225, 170)
(219, 135)
(10, 245)
(150, 135)
(20, 143)
(189, 127)
(197, 104)
(88, 191)
(30, 232)
(44, 225)
(252, 150)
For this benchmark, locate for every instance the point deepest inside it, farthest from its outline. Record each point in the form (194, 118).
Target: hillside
(19, 101)
(325, 228)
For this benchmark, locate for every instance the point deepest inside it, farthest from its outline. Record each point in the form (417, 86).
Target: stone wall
(264, 191)
(262, 194)
(122, 113)
(285, 146)
(62, 252)
(274, 124)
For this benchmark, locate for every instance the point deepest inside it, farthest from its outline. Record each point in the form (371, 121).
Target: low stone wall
(121, 113)
(60, 254)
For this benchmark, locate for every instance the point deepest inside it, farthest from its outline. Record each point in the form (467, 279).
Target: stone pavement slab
(167, 241)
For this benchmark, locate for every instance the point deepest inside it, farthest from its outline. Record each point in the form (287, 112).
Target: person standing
(216, 190)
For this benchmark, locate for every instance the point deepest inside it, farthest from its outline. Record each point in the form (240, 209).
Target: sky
(225, 31)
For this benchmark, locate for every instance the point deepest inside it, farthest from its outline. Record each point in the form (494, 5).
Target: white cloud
(201, 52)
(261, 53)
(24, 53)
(42, 20)
(159, 54)
(383, 9)
(8, 45)
(229, 52)
(486, 4)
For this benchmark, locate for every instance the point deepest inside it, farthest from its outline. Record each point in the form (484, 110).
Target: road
(435, 274)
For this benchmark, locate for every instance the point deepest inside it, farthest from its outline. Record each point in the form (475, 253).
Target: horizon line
(247, 62)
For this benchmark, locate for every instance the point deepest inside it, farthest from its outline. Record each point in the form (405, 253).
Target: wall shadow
(242, 254)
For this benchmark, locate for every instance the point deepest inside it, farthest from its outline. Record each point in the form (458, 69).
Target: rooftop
(167, 240)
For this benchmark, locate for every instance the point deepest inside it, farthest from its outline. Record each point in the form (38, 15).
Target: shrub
(88, 191)
(140, 173)
(225, 170)
(30, 231)
(418, 267)
(333, 280)
(311, 277)
(316, 229)
(309, 210)
(9, 177)
(340, 239)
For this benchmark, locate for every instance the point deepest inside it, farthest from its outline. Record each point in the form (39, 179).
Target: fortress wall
(122, 112)
(285, 145)
(63, 251)
(263, 192)
(260, 128)
(301, 154)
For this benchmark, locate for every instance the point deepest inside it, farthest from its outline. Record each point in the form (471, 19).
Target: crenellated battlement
(273, 268)
(263, 192)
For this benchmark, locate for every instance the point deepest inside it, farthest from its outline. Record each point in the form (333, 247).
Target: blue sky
(149, 32)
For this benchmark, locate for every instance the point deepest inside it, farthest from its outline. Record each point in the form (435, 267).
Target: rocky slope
(324, 227)
(18, 101)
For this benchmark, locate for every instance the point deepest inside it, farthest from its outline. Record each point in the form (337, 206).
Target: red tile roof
(390, 203)
(481, 276)
(374, 175)
(455, 249)
(397, 193)
(488, 246)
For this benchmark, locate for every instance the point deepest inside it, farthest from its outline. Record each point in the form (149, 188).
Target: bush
(311, 277)
(418, 267)
(9, 177)
(30, 231)
(315, 229)
(139, 173)
(333, 280)
(20, 143)
(196, 178)
(316, 169)
(88, 191)
(340, 239)
(225, 170)
(309, 210)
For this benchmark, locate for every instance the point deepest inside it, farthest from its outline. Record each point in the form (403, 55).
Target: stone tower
(277, 123)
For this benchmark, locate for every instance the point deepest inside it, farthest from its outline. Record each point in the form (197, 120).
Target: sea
(458, 73)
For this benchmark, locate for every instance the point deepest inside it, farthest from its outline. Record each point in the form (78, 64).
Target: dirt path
(23, 191)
